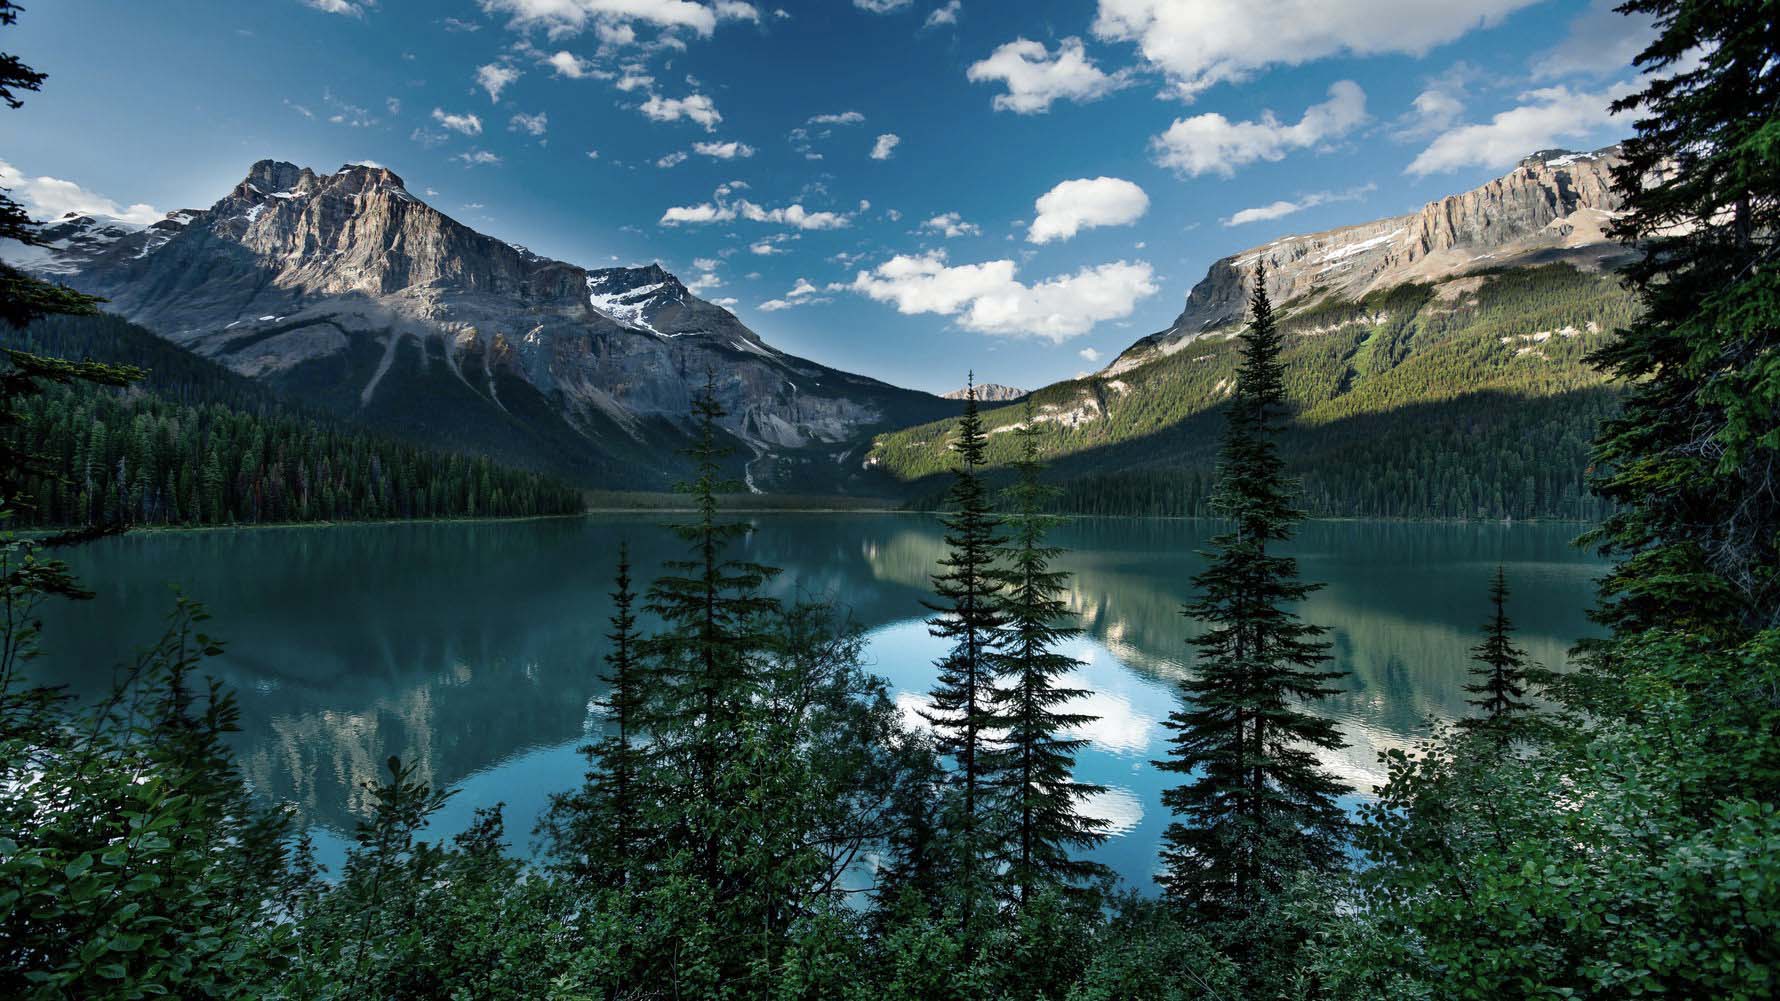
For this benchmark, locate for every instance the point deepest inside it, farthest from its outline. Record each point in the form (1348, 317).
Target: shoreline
(38, 533)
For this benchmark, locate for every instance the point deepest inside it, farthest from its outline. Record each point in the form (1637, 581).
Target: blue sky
(1061, 171)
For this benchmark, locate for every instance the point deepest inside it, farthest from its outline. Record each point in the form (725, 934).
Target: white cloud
(593, 154)
(1205, 42)
(344, 7)
(1211, 143)
(467, 123)
(726, 302)
(884, 146)
(478, 158)
(567, 64)
(673, 159)
(764, 249)
(987, 298)
(494, 78)
(1547, 117)
(1601, 42)
(697, 108)
(569, 17)
(632, 81)
(723, 151)
(943, 15)
(704, 281)
(881, 6)
(534, 125)
(802, 293)
(721, 209)
(48, 198)
(1089, 355)
(951, 224)
(735, 10)
(393, 105)
(1035, 78)
(615, 36)
(837, 118)
(1085, 203)
(1282, 208)
(706, 263)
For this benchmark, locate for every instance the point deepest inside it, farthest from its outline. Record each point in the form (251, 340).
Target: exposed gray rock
(346, 290)
(1555, 205)
(989, 392)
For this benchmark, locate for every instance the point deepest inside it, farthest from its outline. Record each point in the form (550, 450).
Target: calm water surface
(473, 648)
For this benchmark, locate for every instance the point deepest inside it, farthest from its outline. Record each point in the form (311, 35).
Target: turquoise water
(474, 648)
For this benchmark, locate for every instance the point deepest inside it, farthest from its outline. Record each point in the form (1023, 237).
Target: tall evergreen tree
(1036, 759)
(1257, 806)
(23, 299)
(1693, 461)
(968, 614)
(703, 662)
(1501, 670)
(598, 829)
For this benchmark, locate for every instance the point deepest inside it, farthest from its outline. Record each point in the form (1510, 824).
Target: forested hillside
(1465, 399)
(195, 444)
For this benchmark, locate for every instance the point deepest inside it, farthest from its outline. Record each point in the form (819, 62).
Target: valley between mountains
(1437, 358)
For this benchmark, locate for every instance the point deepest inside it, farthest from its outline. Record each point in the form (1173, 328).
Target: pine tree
(703, 661)
(1035, 763)
(1693, 461)
(963, 700)
(598, 830)
(1502, 668)
(1257, 807)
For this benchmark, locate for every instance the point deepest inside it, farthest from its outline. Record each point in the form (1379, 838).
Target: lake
(474, 647)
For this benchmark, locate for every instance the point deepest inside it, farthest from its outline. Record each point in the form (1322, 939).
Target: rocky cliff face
(989, 392)
(346, 290)
(1555, 205)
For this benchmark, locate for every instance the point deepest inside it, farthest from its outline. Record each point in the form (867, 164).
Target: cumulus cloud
(988, 298)
(673, 159)
(951, 224)
(1601, 42)
(723, 151)
(467, 123)
(943, 15)
(837, 118)
(802, 294)
(1211, 143)
(1085, 203)
(48, 198)
(567, 64)
(478, 158)
(533, 125)
(697, 108)
(723, 209)
(735, 10)
(1036, 78)
(1283, 208)
(881, 6)
(1206, 42)
(884, 146)
(1089, 355)
(494, 78)
(344, 7)
(570, 17)
(1546, 117)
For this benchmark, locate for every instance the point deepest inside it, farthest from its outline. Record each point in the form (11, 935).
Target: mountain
(346, 291)
(1437, 360)
(989, 392)
(1554, 206)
